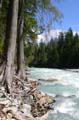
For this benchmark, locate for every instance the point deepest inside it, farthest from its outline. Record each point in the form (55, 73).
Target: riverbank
(25, 102)
(65, 90)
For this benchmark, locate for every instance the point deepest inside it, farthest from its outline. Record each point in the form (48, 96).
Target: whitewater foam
(65, 107)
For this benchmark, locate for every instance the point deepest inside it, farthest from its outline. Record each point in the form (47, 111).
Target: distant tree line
(61, 52)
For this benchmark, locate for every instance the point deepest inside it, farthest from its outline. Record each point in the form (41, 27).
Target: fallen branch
(5, 94)
(17, 78)
(16, 114)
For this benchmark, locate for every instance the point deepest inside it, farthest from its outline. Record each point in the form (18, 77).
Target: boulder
(46, 100)
(34, 84)
(44, 117)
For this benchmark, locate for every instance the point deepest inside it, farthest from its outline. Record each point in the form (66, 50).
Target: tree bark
(10, 44)
(20, 52)
(20, 44)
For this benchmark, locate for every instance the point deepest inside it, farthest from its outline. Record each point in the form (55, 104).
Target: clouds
(47, 36)
(51, 34)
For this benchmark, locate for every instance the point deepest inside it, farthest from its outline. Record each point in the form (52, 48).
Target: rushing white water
(65, 90)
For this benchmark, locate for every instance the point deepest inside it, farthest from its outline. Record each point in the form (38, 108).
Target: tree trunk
(20, 52)
(10, 43)
(20, 45)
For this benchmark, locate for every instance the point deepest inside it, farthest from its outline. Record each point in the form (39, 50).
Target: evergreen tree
(53, 55)
(75, 51)
(42, 56)
(67, 49)
(60, 47)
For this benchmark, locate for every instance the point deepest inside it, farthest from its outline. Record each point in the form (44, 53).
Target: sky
(70, 11)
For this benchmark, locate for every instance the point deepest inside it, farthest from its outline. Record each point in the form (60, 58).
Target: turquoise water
(65, 91)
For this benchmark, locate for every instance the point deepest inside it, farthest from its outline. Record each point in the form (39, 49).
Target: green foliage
(53, 55)
(60, 53)
(29, 51)
(42, 56)
(30, 23)
(3, 17)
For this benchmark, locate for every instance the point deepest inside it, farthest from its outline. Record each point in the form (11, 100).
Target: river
(65, 91)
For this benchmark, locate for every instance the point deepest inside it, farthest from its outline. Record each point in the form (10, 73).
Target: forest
(61, 52)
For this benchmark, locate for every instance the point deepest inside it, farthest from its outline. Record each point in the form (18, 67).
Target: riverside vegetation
(20, 23)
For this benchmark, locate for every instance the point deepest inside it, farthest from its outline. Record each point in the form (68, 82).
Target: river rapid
(65, 91)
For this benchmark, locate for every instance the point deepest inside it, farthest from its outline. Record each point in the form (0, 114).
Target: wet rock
(65, 96)
(71, 96)
(34, 84)
(45, 100)
(48, 80)
(44, 117)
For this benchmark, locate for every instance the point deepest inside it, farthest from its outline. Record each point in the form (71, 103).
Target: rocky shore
(25, 102)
